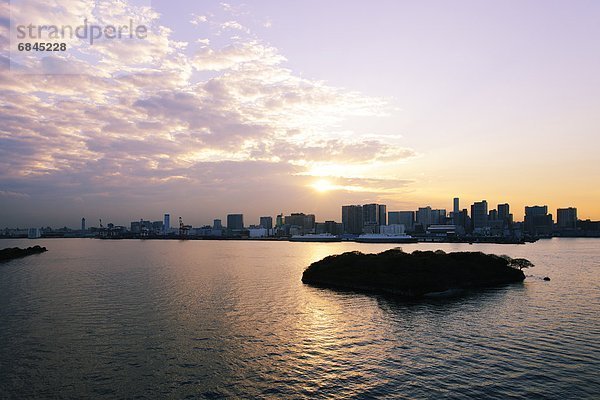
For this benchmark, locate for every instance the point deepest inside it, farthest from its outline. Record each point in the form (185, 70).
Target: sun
(322, 185)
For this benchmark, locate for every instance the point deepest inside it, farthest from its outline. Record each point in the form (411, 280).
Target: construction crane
(183, 229)
(143, 229)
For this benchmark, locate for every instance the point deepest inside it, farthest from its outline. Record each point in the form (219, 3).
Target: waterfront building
(438, 217)
(352, 219)
(331, 227)
(424, 216)
(370, 214)
(406, 218)
(392, 229)
(266, 222)
(167, 223)
(157, 227)
(566, 218)
(235, 222)
(479, 216)
(304, 222)
(34, 233)
(538, 221)
(504, 212)
(382, 214)
(258, 232)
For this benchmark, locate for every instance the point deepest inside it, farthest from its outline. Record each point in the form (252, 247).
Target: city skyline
(305, 105)
(243, 220)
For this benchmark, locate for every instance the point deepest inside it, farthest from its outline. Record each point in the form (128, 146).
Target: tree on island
(520, 263)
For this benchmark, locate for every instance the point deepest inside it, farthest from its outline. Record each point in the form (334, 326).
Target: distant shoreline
(285, 239)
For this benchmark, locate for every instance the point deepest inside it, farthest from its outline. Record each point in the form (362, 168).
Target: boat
(318, 237)
(384, 238)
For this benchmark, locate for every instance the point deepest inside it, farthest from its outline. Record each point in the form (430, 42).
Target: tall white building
(167, 223)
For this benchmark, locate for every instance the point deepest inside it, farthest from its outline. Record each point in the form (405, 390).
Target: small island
(16, 252)
(415, 274)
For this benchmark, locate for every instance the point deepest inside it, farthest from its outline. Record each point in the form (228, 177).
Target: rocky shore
(16, 252)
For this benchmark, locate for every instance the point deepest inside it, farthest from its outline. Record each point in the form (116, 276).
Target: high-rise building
(279, 220)
(235, 222)
(479, 215)
(374, 215)
(566, 218)
(135, 227)
(352, 219)
(406, 218)
(331, 227)
(304, 222)
(83, 224)
(504, 213)
(167, 223)
(438, 217)
(158, 226)
(538, 221)
(463, 222)
(424, 216)
(370, 214)
(455, 211)
(217, 224)
(382, 214)
(266, 222)
(534, 211)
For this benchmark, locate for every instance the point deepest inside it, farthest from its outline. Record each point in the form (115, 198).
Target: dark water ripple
(152, 319)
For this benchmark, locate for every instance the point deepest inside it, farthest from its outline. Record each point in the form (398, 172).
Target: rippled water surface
(214, 319)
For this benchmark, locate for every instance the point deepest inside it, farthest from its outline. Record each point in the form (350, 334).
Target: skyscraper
(235, 222)
(167, 223)
(479, 215)
(438, 216)
(424, 216)
(83, 224)
(306, 222)
(370, 214)
(352, 219)
(266, 222)
(406, 218)
(566, 218)
(503, 211)
(537, 220)
(456, 211)
(382, 214)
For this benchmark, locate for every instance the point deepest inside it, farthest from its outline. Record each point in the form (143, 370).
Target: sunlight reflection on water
(95, 318)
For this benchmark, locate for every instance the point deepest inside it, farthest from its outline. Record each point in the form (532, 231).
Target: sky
(262, 107)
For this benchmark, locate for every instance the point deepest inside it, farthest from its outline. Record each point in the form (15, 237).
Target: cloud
(235, 56)
(146, 121)
(16, 195)
(339, 151)
(234, 25)
(198, 19)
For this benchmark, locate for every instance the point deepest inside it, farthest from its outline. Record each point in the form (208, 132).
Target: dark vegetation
(414, 274)
(15, 252)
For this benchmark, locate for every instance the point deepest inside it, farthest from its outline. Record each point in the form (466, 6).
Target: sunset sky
(299, 106)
